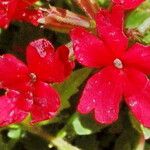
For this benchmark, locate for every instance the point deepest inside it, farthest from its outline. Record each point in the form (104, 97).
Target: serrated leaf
(70, 86)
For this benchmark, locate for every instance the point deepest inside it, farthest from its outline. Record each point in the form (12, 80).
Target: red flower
(27, 87)
(123, 71)
(11, 10)
(128, 4)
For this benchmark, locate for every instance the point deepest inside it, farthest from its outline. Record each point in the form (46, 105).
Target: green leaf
(14, 133)
(146, 38)
(128, 140)
(137, 17)
(85, 125)
(139, 127)
(70, 86)
(104, 3)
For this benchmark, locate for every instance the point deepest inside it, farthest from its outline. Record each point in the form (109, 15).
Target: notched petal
(46, 102)
(103, 94)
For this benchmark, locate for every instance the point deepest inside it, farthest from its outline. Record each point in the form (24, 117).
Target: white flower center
(118, 63)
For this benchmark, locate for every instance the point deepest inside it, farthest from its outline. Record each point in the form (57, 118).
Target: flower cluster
(27, 88)
(21, 10)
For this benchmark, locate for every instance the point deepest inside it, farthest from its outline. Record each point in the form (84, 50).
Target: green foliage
(137, 16)
(85, 125)
(140, 128)
(70, 86)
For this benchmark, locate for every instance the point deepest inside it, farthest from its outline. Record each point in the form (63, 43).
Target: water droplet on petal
(43, 102)
(94, 100)
(96, 82)
(11, 113)
(133, 103)
(51, 114)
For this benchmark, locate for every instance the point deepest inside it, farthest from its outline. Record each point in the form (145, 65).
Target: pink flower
(27, 86)
(123, 71)
(128, 4)
(11, 10)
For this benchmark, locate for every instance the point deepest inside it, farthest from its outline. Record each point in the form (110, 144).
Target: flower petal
(9, 110)
(89, 50)
(48, 65)
(103, 93)
(128, 4)
(17, 10)
(13, 74)
(46, 102)
(138, 56)
(7, 10)
(29, 15)
(137, 96)
(112, 32)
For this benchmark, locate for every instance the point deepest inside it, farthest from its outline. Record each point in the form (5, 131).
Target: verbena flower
(27, 88)
(123, 74)
(20, 10)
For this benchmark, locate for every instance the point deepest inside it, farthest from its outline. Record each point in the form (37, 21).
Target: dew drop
(11, 113)
(43, 102)
(41, 48)
(77, 42)
(133, 103)
(51, 114)
(96, 82)
(94, 100)
(87, 108)
(111, 111)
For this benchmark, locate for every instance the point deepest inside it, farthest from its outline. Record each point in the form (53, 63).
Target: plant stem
(63, 132)
(58, 142)
(141, 143)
